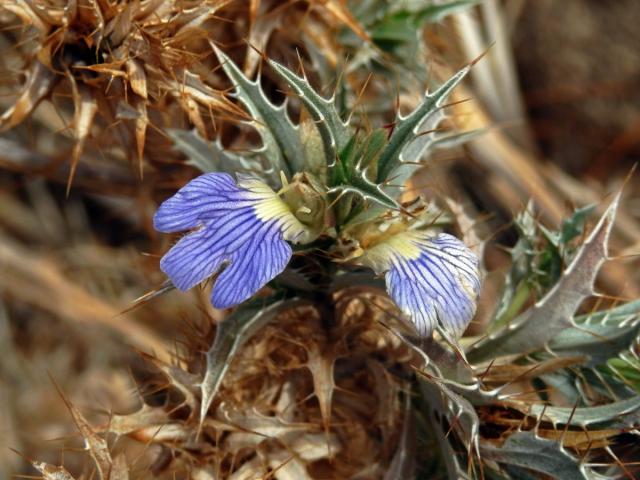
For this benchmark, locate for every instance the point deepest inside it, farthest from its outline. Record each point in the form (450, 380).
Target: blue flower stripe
(241, 229)
(433, 279)
(245, 275)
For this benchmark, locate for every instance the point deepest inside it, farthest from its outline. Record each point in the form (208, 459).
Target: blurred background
(558, 92)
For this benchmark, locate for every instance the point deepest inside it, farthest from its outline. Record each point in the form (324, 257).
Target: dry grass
(87, 92)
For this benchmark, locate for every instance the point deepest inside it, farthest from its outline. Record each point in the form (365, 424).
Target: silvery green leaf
(527, 450)
(600, 382)
(535, 327)
(231, 334)
(564, 383)
(403, 463)
(365, 188)
(516, 289)
(448, 365)
(281, 139)
(442, 403)
(349, 174)
(600, 336)
(425, 117)
(456, 409)
(452, 140)
(209, 156)
(334, 131)
(424, 144)
(573, 226)
(623, 413)
(431, 12)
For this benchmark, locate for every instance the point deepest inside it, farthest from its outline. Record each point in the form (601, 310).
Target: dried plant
(341, 353)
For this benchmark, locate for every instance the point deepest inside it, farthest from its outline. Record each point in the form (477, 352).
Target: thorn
(586, 451)
(479, 57)
(619, 463)
(300, 64)
(481, 376)
(566, 427)
(75, 157)
(262, 54)
(338, 82)
(359, 97)
(165, 287)
(540, 418)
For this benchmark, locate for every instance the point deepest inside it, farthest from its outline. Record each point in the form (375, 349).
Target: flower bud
(307, 199)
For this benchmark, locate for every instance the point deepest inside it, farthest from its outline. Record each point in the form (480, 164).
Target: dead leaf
(40, 82)
(137, 77)
(51, 472)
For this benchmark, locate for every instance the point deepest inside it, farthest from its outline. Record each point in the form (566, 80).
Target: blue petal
(261, 261)
(434, 280)
(203, 198)
(241, 232)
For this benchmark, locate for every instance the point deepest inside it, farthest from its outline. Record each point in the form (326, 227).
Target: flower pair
(242, 230)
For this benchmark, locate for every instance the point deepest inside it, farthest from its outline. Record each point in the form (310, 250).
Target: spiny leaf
(200, 153)
(450, 140)
(405, 18)
(517, 286)
(252, 422)
(281, 140)
(40, 82)
(150, 424)
(573, 226)
(85, 108)
(600, 336)
(442, 403)
(623, 413)
(424, 144)
(527, 450)
(146, 417)
(97, 446)
(403, 463)
(182, 380)
(321, 364)
(365, 188)
(334, 132)
(372, 147)
(232, 332)
(408, 128)
(627, 366)
(456, 409)
(537, 260)
(212, 157)
(534, 328)
(349, 172)
(436, 13)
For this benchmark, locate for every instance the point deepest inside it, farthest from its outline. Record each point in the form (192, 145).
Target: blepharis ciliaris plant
(285, 179)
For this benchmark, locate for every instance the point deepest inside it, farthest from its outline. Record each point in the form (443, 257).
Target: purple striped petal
(202, 199)
(241, 230)
(433, 279)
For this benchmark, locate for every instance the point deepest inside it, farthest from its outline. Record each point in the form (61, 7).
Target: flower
(433, 279)
(239, 229)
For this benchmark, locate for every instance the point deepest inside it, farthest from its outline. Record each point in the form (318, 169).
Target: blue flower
(239, 229)
(433, 279)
